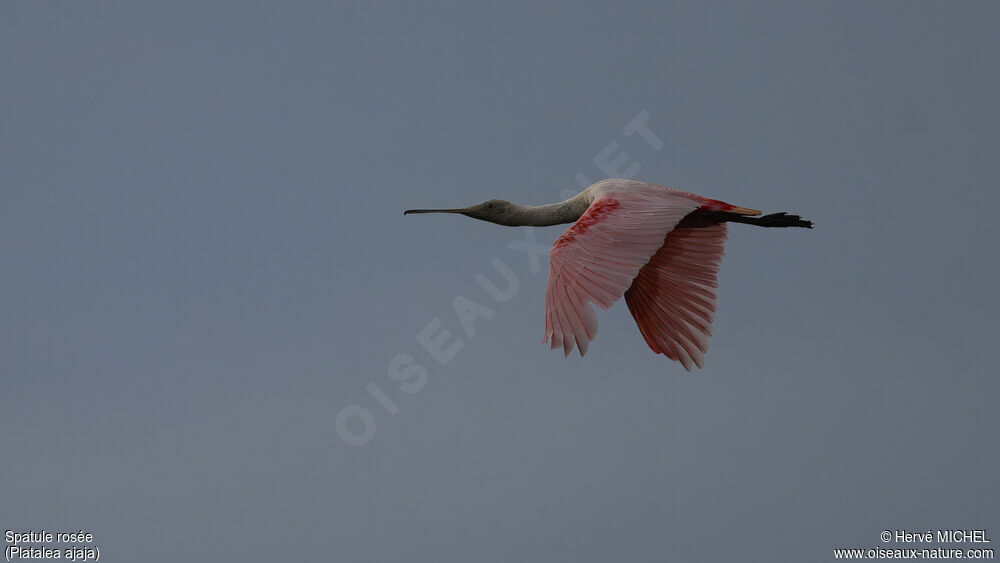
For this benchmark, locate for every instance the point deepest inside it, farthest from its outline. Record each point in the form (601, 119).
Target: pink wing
(673, 297)
(597, 258)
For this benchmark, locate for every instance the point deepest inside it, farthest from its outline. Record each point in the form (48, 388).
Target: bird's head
(495, 211)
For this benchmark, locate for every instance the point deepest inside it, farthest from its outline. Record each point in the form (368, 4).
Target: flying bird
(658, 247)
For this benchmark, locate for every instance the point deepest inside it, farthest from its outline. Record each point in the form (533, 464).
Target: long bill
(412, 211)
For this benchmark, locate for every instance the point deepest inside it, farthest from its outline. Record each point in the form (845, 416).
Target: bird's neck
(547, 215)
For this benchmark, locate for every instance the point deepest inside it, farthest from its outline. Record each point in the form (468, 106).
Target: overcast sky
(204, 262)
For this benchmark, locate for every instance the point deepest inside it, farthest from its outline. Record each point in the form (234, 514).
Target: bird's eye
(489, 206)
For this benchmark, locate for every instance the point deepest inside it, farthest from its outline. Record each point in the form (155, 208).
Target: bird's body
(658, 247)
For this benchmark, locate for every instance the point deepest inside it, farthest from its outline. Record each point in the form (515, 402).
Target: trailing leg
(773, 220)
(702, 218)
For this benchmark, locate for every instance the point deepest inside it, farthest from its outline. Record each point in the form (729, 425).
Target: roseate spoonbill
(658, 247)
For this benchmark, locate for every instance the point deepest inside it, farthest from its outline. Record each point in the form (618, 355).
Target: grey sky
(204, 260)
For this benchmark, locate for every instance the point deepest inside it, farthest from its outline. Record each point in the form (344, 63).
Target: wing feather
(596, 260)
(673, 300)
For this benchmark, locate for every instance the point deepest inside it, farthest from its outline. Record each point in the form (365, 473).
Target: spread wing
(597, 258)
(673, 297)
